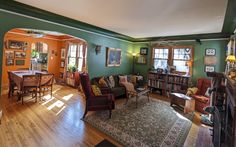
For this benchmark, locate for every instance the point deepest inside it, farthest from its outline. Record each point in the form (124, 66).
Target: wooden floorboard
(57, 122)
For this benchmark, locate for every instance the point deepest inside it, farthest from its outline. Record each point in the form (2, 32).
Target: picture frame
(210, 51)
(63, 53)
(143, 51)
(9, 62)
(18, 45)
(20, 54)
(19, 62)
(209, 68)
(141, 60)
(113, 57)
(62, 64)
(9, 54)
(210, 60)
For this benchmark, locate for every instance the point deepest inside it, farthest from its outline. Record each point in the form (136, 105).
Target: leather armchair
(201, 100)
(95, 103)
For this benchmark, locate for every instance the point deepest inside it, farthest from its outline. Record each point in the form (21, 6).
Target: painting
(20, 62)
(141, 60)
(209, 68)
(19, 54)
(63, 53)
(62, 64)
(21, 45)
(9, 54)
(9, 62)
(210, 52)
(143, 51)
(210, 60)
(113, 57)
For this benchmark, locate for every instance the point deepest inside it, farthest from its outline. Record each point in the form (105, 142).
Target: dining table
(17, 76)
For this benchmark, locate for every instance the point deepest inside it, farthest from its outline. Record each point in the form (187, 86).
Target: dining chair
(12, 85)
(29, 84)
(45, 83)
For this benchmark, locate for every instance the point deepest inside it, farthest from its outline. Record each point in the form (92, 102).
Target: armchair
(95, 103)
(201, 100)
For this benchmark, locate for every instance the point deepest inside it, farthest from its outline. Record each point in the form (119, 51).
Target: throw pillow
(96, 90)
(112, 81)
(123, 79)
(191, 91)
(102, 82)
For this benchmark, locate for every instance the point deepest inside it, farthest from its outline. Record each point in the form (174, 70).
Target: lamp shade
(231, 58)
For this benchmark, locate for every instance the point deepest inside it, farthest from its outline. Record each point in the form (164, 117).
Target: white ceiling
(142, 18)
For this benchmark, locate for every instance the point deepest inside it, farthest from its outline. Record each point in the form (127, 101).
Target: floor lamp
(134, 55)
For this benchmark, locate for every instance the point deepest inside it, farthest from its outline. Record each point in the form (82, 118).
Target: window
(181, 58)
(160, 59)
(75, 56)
(177, 56)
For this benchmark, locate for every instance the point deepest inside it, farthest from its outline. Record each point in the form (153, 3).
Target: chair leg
(85, 112)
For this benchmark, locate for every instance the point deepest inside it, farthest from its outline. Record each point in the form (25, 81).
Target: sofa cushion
(122, 79)
(112, 81)
(201, 98)
(102, 82)
(96, 90)
(118, 91)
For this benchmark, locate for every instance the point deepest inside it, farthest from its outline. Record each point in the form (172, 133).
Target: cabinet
(167, 83)
(230, 136)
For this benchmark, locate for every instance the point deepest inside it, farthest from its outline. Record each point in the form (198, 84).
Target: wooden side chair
(29, 84)
(45, 84)
(12, 85)
(95, 103)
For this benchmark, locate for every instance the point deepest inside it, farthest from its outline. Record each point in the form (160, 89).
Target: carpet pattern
(153, 123)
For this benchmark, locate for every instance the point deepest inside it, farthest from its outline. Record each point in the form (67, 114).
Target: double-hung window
(181, 57)
(160, 57)
(75, 56)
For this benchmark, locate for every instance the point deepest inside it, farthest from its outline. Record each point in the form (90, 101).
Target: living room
(198, 43)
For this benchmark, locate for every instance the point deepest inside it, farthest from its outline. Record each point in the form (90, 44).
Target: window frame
(77, 57)
(171, 59)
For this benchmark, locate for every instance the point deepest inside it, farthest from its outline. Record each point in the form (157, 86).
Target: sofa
(118, 90)
(201, 99)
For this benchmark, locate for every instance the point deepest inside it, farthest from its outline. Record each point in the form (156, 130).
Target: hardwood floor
(57, 122)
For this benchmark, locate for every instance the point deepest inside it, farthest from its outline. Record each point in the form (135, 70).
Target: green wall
(96, 63)
(199, 53)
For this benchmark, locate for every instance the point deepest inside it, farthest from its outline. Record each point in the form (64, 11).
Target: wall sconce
(98, 49)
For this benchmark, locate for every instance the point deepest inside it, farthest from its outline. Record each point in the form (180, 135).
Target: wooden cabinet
(230, 136)
(167, 83)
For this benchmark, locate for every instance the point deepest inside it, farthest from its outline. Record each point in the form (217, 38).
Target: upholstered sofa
(118, 90)
(201, 100)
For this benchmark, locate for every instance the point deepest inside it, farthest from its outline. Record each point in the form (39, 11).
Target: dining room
(36, 60)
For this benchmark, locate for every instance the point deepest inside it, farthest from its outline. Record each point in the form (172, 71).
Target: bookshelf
(167, 83)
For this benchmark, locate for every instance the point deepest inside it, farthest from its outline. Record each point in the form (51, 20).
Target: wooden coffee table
(182, 100)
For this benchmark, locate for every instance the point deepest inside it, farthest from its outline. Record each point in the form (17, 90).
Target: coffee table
(139, 92)
(180, 99)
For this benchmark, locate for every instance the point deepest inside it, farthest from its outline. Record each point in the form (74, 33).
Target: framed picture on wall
(209, 68)
(9, 62)
(19, 54)
(143, 51)
(210, 52)
(113, 57)
(141, 60)
(62, 64)
(14, 44)
(63, 53)
(20, 62)
(9, 54)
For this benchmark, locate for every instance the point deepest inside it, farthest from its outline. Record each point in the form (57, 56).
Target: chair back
(86, 86)
(30, 81)
(46, 79)
(10, 77)
(202, 85)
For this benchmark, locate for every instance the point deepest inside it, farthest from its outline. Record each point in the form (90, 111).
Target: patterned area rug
(153, 123)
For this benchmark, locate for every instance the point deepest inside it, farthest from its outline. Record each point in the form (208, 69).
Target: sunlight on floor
(61, 110)
(180, 116)
(67, 97)
(58, 103)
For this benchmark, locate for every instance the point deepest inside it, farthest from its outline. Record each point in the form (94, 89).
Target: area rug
(153, 123)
